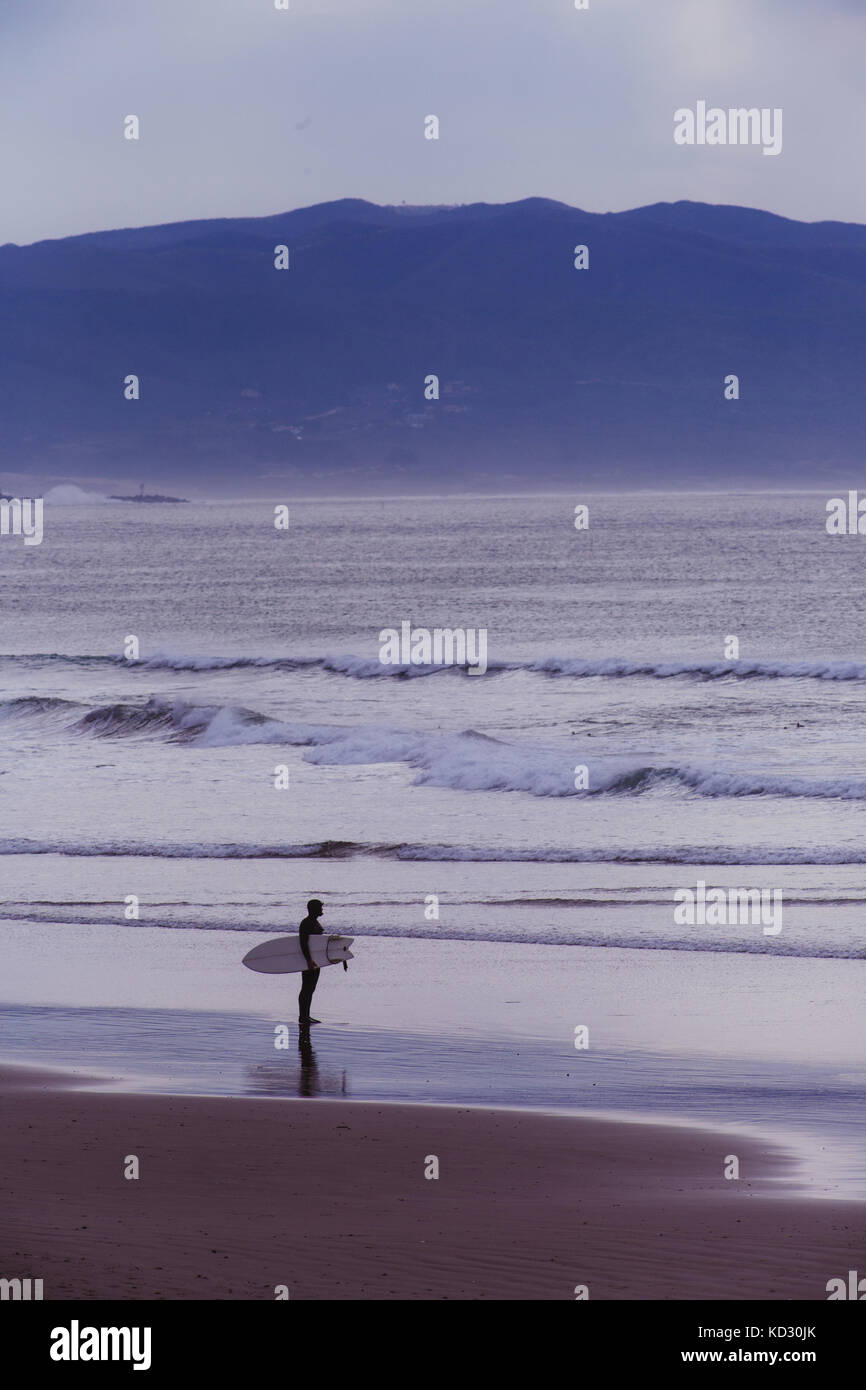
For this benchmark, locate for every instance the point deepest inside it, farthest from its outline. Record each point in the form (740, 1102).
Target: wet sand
(329, 1198)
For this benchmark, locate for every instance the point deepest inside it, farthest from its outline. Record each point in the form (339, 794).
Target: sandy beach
(330, 1198)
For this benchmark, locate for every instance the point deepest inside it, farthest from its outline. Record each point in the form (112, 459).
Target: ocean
(505, 847)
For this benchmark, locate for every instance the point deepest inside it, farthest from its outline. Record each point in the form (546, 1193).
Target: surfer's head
(315, 908)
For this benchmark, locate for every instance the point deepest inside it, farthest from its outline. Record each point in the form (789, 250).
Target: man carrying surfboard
(284, 955)
(309, 977)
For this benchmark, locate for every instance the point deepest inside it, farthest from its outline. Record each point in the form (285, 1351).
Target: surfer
(310, 977)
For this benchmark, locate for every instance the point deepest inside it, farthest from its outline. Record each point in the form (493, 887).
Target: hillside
(614, 373)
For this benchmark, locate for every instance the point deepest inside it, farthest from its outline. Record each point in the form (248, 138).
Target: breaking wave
(468, 761)
(370, 668)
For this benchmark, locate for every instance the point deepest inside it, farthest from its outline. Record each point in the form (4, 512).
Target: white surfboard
(283, 955)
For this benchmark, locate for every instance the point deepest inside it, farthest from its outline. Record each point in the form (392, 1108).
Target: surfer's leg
(309, 980)
(304, 996)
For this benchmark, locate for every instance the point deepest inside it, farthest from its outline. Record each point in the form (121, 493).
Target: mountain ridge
(607, 374)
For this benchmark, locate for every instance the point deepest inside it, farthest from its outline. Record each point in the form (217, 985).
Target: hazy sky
(246, 110)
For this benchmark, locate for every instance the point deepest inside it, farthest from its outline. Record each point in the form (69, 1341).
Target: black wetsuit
(309, 978)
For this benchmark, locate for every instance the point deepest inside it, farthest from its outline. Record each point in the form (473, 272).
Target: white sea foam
(611, 667)
(466, 761)
(578, 668)
(473, 762)
(70, 495)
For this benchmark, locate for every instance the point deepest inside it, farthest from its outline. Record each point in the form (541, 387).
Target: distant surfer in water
(309, 978)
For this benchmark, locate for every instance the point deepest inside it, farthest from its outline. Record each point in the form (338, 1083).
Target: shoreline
(809, 1113)
(236, 1196)
(813, 1171)
(786, 1149)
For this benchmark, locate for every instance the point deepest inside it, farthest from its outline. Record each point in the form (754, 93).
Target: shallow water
(555, 905)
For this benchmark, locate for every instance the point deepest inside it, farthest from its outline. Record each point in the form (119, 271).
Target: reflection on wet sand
(304, 1078)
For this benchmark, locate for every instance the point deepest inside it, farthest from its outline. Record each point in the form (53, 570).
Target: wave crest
(697, 855)
(370, 668)
(467, 761)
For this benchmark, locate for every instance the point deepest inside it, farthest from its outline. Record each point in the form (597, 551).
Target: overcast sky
(246, 110)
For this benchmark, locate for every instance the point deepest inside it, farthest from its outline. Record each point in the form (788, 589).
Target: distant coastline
(637, 395)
